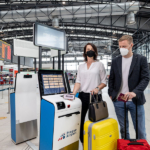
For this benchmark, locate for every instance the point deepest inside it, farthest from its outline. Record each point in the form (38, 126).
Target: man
(129, 75)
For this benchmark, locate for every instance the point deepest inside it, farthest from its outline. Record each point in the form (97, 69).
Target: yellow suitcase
(101, 135)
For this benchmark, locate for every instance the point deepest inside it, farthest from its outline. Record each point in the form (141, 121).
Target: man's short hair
(126, 37)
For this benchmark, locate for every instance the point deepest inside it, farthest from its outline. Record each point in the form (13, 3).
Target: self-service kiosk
(23, 106)
(60, 118)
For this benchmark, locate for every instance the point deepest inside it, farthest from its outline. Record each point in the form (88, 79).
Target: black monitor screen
(49, 37)
(51, 82)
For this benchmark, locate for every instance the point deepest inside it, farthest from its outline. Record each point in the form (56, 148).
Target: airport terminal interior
(41, 48)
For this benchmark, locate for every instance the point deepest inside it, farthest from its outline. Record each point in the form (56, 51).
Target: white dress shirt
(90, 78)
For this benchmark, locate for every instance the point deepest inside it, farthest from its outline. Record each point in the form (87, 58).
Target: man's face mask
(124, 51)
(90, 53)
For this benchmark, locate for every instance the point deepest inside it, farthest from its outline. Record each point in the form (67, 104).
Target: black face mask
(90, 53)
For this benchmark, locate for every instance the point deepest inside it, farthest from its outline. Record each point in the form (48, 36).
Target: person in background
(91, 78)
(129, 75)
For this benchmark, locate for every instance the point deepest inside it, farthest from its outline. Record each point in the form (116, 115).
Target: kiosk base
(27, 129)
(73, 146)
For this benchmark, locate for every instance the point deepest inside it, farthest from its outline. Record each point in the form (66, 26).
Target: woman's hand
(95, 91)
(73, 93)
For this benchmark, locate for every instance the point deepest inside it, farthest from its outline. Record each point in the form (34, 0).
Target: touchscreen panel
(53, 83)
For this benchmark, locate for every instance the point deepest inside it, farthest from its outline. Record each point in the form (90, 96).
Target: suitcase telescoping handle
(125, 120)
(136, 143)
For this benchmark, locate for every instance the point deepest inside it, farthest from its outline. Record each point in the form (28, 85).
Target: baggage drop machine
(59, 118)
(23, 108)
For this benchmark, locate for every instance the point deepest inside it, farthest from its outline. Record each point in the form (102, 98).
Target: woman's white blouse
(90, 78)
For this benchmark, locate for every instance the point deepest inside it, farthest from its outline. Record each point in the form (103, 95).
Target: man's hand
(129, 95)
(95, 91)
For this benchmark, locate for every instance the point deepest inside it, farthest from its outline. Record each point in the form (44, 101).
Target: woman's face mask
(90, 53)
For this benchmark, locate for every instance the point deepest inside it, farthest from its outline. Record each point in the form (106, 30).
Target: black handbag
(97, 110)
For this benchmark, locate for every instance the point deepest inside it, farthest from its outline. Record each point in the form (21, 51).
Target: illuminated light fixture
(110, 43)
(1, 29)
(63, 2)
(55, 22)
(70, 49)
(109, 48)
(105, 47)
(130, 18)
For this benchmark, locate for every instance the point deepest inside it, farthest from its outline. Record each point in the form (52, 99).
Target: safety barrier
(4, 84)
(9, 88)
(6, 89)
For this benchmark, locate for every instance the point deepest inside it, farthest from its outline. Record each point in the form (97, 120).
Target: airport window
(80, 58)
(69, 58)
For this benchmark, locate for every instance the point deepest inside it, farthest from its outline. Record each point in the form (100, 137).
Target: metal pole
(35, 64)
(107, 63)
(2, 90)
(53, 62)
(111, 32)
(40, 57)
(13, 78)
(8, 100)
(136, 121)
(18, 64)
(76, 67)
(125, 136)
(59, 63)
(66, 66)
(63, 62)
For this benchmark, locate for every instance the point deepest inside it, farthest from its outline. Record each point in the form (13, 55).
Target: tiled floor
(5, 138)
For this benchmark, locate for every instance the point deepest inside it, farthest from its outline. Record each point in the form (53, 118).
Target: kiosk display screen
(49, 37)
(53, 83)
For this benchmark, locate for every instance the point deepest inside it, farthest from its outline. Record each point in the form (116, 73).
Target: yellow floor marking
(2, 118)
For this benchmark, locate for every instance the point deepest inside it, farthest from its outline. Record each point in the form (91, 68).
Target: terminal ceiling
(102, 22)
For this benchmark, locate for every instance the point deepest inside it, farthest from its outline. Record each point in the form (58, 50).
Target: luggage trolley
(60, 118)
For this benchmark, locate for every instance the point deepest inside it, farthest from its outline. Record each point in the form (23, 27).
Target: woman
(91, 78)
